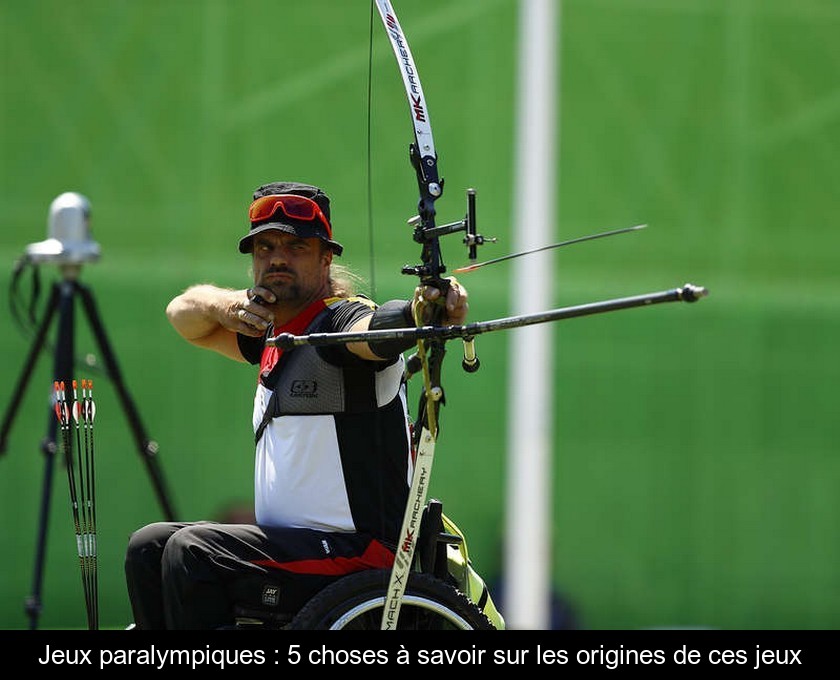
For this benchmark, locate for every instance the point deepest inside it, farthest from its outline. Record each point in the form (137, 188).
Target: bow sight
(426, 233)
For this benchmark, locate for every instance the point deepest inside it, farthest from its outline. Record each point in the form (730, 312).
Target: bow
(430, 351)
(428, 332)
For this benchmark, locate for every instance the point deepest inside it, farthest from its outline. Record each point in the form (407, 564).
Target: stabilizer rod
(687, 293)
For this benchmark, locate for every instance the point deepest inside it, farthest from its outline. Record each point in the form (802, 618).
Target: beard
(285, 291)
(289, 289)
(295, 286)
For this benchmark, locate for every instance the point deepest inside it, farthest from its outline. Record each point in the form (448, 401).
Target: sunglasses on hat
(292, 206)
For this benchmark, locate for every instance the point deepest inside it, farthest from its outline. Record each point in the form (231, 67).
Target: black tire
(355, 603)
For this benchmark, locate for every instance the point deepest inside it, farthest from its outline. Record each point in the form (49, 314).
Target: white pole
(527, 551)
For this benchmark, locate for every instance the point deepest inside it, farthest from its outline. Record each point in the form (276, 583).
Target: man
(333, 453)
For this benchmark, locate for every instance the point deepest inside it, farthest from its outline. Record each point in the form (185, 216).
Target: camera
(68, 237)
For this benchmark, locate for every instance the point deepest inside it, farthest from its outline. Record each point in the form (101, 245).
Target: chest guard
(304, 382)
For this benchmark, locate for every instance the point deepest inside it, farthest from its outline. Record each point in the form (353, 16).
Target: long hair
(344, 282)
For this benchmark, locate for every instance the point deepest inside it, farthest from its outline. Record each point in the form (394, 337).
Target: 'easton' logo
(306, 389)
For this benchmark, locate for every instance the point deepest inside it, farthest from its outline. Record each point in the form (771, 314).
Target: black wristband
(391, 314)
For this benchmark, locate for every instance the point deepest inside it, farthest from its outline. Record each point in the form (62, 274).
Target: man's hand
(455, 304)
(249, 314)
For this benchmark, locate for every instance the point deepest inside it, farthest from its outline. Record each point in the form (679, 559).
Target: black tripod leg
(28, 367)
(148, 449)
(63, 370)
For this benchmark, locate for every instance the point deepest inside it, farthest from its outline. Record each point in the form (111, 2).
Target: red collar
(296, 326)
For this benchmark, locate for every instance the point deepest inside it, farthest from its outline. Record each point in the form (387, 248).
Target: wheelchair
(443, 592)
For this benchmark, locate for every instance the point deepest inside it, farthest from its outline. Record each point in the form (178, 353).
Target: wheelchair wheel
(355, 603)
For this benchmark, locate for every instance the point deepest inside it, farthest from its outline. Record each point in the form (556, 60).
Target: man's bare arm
(210, 317)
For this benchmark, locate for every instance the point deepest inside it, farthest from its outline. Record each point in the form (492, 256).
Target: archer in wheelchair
(335, 451)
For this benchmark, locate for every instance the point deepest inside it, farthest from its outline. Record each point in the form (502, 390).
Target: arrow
(471, 267)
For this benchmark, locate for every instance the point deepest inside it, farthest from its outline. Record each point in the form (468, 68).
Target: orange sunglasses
(292, 206)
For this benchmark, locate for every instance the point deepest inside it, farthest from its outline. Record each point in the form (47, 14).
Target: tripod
(62, 299)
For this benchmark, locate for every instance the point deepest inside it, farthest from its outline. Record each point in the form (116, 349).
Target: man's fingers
(457, 297)
(253, 312)
(260, 295)
(251, 320)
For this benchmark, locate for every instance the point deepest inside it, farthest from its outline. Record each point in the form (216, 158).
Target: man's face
(295, 269)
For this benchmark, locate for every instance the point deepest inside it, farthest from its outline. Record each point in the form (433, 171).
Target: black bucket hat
(315, 228)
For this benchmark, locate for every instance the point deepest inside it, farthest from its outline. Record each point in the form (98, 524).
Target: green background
(695, 470)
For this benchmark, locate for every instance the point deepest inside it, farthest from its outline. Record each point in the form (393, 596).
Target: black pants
(193, 575)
